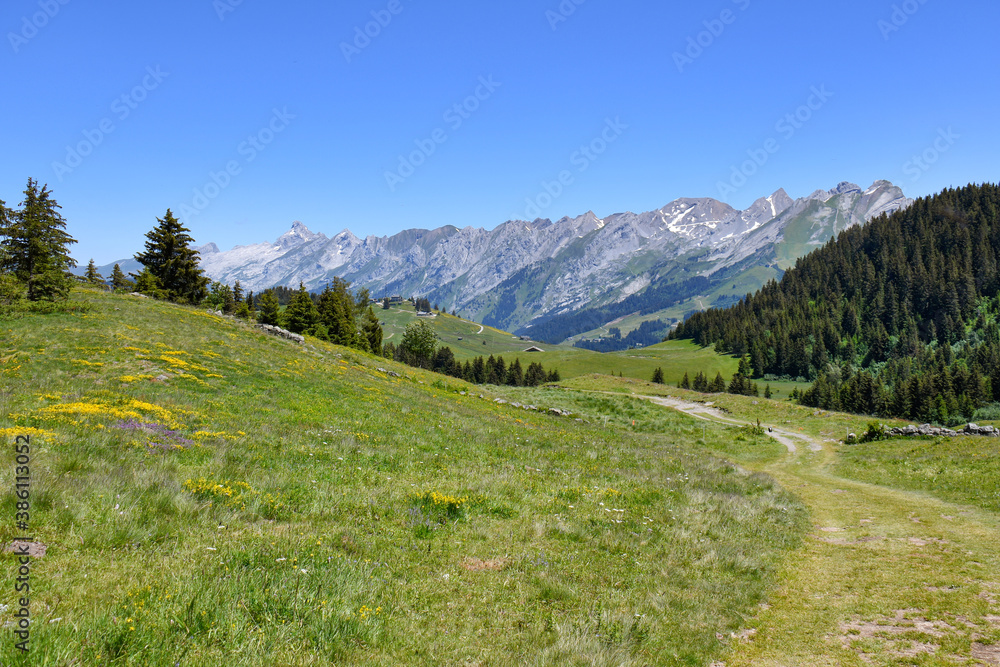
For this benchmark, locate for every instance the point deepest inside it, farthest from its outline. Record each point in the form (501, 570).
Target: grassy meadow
(463, 337)
(207, 494)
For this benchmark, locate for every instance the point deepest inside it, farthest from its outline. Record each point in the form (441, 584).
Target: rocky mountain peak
(296, 236)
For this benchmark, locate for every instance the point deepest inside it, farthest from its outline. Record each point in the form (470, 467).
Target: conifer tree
(372, 331)
(718, 385)
(35, 245)
(93, 275)
(301, 314)
(515, 375)
(478, 371)
(685, 382)
(170, 257)
(336, 311)
(118, 279)
(270, 309)
(658, 375)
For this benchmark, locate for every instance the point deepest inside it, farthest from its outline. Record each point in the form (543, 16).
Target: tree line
(898, 317)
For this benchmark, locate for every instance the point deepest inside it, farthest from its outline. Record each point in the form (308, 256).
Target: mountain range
(556, 279)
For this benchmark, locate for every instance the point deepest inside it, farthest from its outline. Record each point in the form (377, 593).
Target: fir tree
(34, 245)
(118, 280)
(767, 390)
(170, 258)
(301, 314)
(270, 309)
(478, 371)
(515, 375)
(685, 382)
(658, 375)
(535, 375)
(718, 385)
(93, 275)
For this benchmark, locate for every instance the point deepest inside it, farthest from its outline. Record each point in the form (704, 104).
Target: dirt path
(886, 576)
(708, 413)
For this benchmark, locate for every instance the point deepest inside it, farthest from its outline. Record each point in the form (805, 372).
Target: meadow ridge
(207, 493)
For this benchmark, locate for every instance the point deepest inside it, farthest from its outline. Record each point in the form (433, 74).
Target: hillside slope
(207, 494)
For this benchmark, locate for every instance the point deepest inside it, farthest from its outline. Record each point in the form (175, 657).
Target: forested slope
(898, 317)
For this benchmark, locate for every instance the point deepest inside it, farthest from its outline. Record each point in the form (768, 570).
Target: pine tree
(118, 279)
(34, 245)
(718, 385)
(170, 257)
(301, 314)
(270, 309)
(767, 390)
(658, 375)
(93, 275)
(685, 382)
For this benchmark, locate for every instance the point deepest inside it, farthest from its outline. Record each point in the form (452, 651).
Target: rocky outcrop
(282, 333)
(928, 430)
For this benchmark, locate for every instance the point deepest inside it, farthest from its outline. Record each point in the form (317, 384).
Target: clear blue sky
(199, 78)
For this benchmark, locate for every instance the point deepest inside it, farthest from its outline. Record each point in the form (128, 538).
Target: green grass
(675, 357)
(961, 470)
(267, 503)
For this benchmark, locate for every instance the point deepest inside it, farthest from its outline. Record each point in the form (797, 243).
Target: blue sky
(243, 116)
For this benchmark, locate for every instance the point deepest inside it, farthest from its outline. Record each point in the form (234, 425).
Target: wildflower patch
(235, 495)
(430, 510)
(123, 410)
